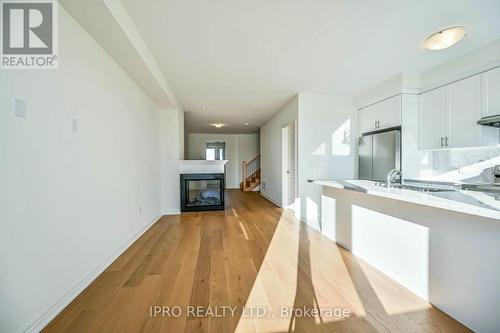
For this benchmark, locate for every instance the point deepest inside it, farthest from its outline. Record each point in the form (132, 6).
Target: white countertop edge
(414, 197)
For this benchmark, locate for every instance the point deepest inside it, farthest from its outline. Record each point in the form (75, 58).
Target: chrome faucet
(391, 176)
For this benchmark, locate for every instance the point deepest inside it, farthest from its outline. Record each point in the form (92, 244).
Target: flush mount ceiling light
(203, 107)
(245, 124)
(218, 125)
(445, 38)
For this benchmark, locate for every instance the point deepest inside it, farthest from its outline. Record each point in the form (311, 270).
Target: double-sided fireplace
(202, 192)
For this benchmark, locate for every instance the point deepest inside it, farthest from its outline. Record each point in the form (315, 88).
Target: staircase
(251, 174)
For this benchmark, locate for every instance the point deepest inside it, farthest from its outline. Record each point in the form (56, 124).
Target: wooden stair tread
(251, 174)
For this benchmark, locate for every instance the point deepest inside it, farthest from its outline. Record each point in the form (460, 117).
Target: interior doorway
(288, 165)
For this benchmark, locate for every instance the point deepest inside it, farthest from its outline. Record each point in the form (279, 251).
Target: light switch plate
(74, 125)
(19, 106)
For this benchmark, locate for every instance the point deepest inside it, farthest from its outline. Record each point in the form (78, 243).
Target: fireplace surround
(202, 191)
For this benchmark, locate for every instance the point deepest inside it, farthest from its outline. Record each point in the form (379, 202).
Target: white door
(432, 119)
(288, 163)
(463, 109)
(368, 117)
(490, 90)
(389, 112)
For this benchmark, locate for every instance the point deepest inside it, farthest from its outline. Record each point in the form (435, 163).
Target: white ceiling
(244, 59)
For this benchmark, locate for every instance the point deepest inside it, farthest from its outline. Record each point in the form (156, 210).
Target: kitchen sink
(418, 188)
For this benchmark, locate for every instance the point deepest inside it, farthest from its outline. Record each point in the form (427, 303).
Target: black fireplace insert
(202, 192)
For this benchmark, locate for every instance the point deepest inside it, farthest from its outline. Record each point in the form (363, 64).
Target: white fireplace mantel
(202, 166)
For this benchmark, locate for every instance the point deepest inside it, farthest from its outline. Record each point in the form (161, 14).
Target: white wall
(171, 140)
(196, 151)
(270, 148)
(239, 147)
(248, 148)
(326, 148)
(180, 133)
(471, 63)
(69, 202)
(326, 132)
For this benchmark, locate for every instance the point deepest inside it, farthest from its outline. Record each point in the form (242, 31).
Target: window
(215, 151)
(210, 154)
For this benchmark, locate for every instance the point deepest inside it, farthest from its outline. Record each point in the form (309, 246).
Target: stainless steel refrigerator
(379, 153)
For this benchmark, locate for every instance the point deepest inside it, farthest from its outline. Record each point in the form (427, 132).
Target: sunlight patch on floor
(394, 299)
(244, 230)
(276, 281)
(332, 281)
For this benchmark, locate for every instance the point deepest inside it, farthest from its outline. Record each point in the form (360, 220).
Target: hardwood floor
(254, 258)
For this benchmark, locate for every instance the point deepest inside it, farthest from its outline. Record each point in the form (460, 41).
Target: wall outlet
(19, 107)
(139, 210)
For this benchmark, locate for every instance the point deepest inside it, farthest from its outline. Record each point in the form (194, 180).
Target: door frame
(285, 181)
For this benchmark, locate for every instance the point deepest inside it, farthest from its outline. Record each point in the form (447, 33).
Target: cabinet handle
(376, 124)
(446, 141)
(442, 142)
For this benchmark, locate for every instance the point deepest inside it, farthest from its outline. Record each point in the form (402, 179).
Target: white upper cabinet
(384, 114)
(431, 117)
(448, 116)
(463, 110)
(491, 92)
(368, 118)
(389, 112)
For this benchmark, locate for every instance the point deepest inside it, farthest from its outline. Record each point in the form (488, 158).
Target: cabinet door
(431, 114)
(389, 112)
(490, 104)
(463, 110)
(368, 117)
(491, 92)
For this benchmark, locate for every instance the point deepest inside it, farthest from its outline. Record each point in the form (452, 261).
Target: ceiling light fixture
(203, 107)
(245, 124)
(218, 125)
(445, 38)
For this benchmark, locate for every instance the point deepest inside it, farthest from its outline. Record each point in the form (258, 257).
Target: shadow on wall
(330, 158)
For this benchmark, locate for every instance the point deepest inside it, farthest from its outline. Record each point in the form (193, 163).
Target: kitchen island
(444, 246)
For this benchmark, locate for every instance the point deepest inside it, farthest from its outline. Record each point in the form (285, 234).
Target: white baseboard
(313, 223)
(270, 199)
(54, 310)
(172, 212)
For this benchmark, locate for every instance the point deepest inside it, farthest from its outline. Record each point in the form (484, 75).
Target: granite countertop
(469, 202)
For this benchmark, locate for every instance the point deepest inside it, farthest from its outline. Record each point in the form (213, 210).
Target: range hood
(490, 121)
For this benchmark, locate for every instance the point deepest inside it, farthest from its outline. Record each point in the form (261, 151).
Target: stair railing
(250, 168)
